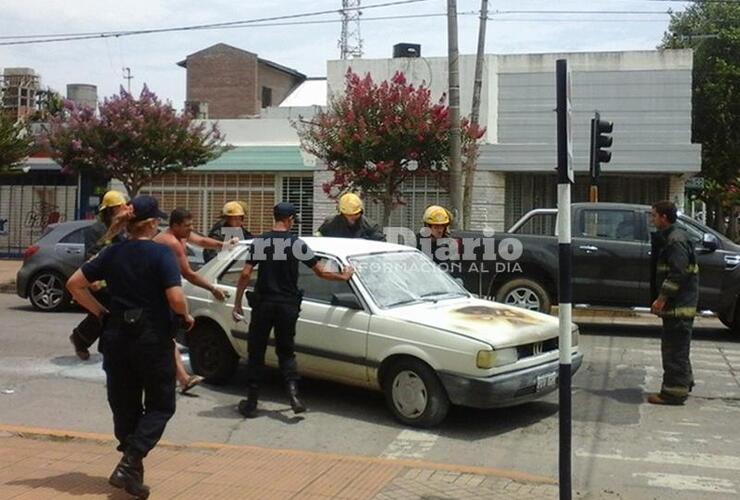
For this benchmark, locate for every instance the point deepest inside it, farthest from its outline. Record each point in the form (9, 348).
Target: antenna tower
(350, 43)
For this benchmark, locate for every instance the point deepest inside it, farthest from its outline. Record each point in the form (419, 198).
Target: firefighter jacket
(675, 273)
(338, 227)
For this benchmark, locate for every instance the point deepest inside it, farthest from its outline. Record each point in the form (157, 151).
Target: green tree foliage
(15, 142)
(712, 30)
(132, 140)
(375, 136)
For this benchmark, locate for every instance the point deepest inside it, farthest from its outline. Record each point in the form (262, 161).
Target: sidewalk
(45, 463)
(8, 270)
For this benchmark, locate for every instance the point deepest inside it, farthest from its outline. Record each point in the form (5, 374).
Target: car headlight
(489, 358)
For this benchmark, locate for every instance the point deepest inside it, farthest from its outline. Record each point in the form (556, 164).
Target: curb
(42, 433)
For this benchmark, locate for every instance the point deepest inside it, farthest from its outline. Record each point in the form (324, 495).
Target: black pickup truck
(611, 261)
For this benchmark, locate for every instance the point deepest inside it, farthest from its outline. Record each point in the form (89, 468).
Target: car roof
(345, 247)
(71, 225)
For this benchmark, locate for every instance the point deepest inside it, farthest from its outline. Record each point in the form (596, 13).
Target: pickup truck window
(609, 224)
(695, 234)
(539, 225)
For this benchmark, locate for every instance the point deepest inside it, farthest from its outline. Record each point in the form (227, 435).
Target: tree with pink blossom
(132, 140)
(374, 137)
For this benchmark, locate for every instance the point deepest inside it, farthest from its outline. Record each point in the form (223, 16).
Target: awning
(259, 159)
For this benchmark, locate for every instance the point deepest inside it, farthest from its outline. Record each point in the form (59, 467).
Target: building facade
(647, 94)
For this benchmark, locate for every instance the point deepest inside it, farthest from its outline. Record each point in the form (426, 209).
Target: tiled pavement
(47, 464)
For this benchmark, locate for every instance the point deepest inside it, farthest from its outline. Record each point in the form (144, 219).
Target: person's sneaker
(248, 408)
(80, 349)
(657, 399)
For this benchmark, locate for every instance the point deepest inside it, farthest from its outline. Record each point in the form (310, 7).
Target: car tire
(414, 393)
(525, 293)
(47, 292)
(732, 323)
(211, 354)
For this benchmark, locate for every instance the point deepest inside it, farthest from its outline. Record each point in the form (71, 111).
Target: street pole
(454, 115)
(470, 162)
(565, 179)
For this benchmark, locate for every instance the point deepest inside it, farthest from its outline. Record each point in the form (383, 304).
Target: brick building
(228, 82)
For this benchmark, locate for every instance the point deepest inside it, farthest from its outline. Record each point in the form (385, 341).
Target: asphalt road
(622, 447)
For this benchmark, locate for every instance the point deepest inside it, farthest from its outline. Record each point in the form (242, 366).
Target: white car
(401, 325)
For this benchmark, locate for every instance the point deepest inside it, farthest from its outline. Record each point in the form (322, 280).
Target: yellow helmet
(233, 209)
(436, 215)
(350, 204)
(112, 199)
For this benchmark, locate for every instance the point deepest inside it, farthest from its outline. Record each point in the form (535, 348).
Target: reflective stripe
(679, 312)
(669, 286)
(676, 391)
(693, 269)
(663, 267)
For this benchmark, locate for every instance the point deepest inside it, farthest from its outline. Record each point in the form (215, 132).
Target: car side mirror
(346, 299)
(710, 242)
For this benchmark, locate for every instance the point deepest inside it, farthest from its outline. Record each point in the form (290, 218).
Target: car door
(70, 250)
(712, 266)
(331, 340)
(609, 257)
(226, 281)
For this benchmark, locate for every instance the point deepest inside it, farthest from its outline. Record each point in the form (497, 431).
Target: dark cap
(285, 209)
(146, 207)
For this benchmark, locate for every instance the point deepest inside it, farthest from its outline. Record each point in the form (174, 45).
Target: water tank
(407, 50)
(83, 94)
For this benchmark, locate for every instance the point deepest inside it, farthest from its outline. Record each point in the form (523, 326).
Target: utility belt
(135, 322)
(255, 299)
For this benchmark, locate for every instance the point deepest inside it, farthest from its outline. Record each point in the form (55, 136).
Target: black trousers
(283, 318)
(675, 346)
(140, 374)
(89, 329)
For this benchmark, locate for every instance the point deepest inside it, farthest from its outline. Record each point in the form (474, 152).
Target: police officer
(112, 208)
(351, 221)
(434, 238)
(675, 289)
(230, 225)
(146, 301)
(276, 302)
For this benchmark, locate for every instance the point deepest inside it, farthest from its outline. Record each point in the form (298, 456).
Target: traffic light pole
(565, 179)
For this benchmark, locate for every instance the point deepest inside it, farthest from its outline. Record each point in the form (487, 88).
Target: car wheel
(211, 354)
(525, 293)
(414, 393)
(47, 292)
(732, 323)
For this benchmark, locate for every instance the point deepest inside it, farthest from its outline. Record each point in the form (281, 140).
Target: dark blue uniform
(137, 339)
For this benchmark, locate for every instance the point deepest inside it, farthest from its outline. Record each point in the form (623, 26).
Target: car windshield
(399, 278)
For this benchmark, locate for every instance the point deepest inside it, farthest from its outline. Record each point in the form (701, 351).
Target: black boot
(248, 407)
(295, 402)
(129, 475)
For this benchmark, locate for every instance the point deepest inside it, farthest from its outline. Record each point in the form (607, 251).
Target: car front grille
(537, 348)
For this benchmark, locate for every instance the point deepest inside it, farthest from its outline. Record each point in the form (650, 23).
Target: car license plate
(546, 380)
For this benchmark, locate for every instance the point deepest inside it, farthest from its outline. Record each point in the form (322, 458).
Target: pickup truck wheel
(211, 354)
(525, 293)
(732, 323)
(414, 393)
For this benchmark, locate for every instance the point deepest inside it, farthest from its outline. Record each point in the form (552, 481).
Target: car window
(76, 236)
(539, 225)
(609, 224)
(230, 276)
(317, 289)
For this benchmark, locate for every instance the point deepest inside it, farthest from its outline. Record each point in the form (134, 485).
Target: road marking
(410, 444)
(689, 424)
(665, 457)
(682, 482)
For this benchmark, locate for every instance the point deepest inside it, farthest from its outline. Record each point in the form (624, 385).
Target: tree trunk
(732, 231)
(387, 209)
(470, 167)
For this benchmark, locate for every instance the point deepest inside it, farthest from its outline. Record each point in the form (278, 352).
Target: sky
(152, 58)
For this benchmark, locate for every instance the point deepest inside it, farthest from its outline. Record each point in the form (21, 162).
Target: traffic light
(599, 141)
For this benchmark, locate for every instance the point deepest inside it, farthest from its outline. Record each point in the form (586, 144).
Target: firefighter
(146, 304)
(113, 208)
(276, 302)
(350, 222)
(435, 241)
(230, 225)
(675, 289)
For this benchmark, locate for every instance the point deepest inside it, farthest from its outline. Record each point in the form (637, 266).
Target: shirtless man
(175, 237)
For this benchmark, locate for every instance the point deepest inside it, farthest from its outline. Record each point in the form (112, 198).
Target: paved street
(623, 448)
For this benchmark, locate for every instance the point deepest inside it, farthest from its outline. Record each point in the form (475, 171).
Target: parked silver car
(48, 263)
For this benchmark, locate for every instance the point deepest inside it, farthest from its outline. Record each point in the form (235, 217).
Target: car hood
(496, 324)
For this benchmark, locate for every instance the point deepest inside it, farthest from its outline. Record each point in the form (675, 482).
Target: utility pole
(454, 88)
(128, 77)
(470, 162)
(350, 41)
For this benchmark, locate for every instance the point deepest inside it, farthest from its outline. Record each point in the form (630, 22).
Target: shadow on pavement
(72, 483)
